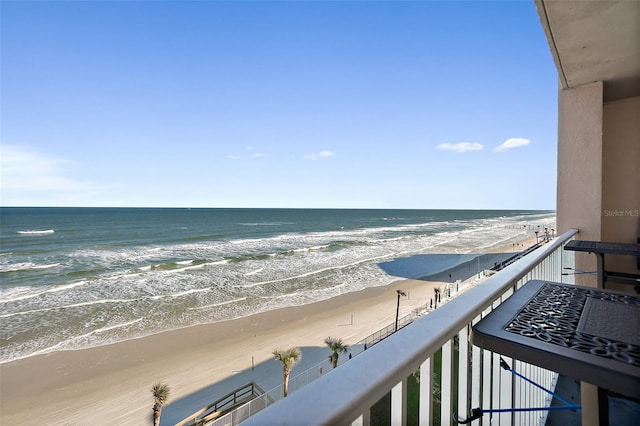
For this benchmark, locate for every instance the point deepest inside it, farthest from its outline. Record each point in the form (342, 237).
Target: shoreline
(200, 363)
(438, 276)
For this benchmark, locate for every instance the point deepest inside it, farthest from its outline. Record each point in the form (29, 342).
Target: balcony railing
(468, 376)
(297, 382)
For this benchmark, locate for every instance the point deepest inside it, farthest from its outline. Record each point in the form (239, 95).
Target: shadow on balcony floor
(569, 389)
(622, 411)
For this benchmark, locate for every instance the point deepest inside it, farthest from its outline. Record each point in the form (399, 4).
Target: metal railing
(468, 376)
(300, 380)
(239, 396)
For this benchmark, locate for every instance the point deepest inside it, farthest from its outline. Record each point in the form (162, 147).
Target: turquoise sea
(73, 278)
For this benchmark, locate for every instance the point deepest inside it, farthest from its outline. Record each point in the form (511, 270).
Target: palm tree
(160, 392)
(288, 358)
(335, 345)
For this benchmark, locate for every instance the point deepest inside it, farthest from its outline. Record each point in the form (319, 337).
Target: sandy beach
(109, 385)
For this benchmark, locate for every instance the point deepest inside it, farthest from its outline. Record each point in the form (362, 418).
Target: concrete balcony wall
(599, 173)
(621, 179)
(579, 192)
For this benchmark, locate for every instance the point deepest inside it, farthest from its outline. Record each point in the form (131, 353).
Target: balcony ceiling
(595, 41)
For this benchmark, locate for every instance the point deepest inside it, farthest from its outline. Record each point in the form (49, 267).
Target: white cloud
(24, 168)
(249, 155)
(512, 143)
(460, 147)
(321, 154)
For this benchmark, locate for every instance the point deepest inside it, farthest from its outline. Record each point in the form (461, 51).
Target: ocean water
(73, 278)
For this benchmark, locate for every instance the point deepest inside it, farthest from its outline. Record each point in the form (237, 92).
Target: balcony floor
(622, 411)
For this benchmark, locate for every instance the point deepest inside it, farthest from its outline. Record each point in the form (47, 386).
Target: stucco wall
(579, 192)
(621, 178)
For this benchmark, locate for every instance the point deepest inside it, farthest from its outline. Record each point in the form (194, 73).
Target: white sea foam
(216, 305)
(57, 346)
(318, 271)
(124, 276)
(63, 307)
(71, 343)
(218, 262)
(265, 223)
(37, 232)
(109, 328)
(195, 267)
(40, 293)
(192, 291)
(26, 266)
(52, 265)
(283, 296)
(312, 248)
(181, 294)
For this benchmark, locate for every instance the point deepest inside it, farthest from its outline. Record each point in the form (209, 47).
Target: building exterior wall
(621, 178)
(579, 192)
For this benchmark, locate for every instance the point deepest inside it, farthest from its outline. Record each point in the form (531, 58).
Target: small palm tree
(336, 346)
(160, 392)
(288, 358)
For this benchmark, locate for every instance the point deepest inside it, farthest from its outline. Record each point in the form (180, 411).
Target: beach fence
(383, 333)
(297, 382)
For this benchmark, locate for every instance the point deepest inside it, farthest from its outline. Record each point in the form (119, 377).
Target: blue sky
(277, 104)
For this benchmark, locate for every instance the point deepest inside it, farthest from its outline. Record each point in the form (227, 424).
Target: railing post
(426, 392)
(506, 393)
(476, 378)
(358, 422)
(463, 371)
(399, 403)
(486, 385)
(363, 420)
(496, 384)
(446, 385)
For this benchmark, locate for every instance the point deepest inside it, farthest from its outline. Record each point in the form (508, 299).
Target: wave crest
(36, 232)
